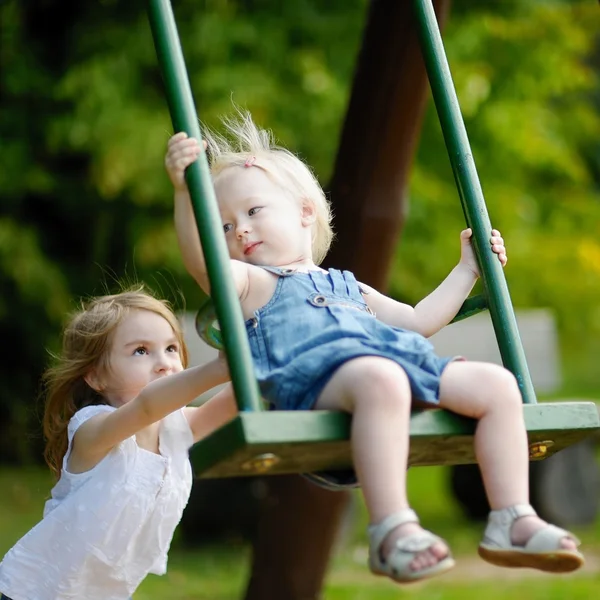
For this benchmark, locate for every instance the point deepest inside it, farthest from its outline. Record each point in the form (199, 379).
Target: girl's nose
(162, 364)
(242, 230)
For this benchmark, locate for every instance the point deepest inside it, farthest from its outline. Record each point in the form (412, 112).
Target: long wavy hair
(86, 345)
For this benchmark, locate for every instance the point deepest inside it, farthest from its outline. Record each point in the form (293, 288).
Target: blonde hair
(287, 170)
(86, 345)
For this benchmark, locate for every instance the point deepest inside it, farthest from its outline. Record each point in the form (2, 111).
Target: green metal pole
(471, 196)
(184, 117)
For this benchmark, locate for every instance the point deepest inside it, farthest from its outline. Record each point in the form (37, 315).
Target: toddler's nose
(243, 230)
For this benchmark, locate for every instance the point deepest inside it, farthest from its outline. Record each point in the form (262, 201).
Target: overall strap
(279, 271)
(338, 283)
(354, 288)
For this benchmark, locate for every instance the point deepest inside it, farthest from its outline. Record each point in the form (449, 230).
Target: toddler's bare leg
(490, 394)
(377, 392)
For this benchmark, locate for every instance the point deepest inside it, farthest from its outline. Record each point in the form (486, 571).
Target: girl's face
(263, 225)
(144, 347)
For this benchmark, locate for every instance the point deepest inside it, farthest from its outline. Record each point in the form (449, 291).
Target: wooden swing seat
(277, 442)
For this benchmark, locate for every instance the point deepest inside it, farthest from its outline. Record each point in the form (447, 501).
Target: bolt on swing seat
(259, 441)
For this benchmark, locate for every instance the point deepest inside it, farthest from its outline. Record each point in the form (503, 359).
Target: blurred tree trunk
(295, 536)
(298, 529)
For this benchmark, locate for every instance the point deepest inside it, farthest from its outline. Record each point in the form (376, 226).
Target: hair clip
(250, 161)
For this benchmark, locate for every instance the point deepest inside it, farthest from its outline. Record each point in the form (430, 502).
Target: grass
(22, 496)
(498, 590)
(220, 573)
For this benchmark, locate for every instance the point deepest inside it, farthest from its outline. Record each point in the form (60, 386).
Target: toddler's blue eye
(227, 227)
(254, 210)
(140, 351)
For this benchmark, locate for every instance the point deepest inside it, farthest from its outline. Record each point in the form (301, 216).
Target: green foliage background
(83, 129)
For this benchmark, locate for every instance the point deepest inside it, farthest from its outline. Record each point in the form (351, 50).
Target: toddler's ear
(309, 212)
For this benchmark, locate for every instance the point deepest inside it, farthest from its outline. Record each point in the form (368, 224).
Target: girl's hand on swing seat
(182, 151)
(467, 257)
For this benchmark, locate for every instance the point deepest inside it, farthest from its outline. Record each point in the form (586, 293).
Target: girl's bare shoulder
(261, 287)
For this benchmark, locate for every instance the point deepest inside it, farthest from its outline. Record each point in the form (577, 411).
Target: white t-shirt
(104, 530)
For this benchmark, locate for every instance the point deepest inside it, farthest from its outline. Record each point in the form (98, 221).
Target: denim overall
(314, 323)
(317, 321)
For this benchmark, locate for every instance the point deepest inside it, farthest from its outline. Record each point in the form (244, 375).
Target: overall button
(318, 300)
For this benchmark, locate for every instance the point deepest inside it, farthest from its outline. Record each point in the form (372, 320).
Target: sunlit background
(86, 204)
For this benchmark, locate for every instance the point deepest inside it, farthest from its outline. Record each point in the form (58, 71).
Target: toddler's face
(263, 224)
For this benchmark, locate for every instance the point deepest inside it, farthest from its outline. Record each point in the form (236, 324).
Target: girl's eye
(227, 227)
(140, 351)
(254, 210)
(173, 348)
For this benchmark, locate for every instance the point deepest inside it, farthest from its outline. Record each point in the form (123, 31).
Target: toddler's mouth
(251, 247)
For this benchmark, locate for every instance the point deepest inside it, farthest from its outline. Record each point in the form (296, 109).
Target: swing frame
(258, 441)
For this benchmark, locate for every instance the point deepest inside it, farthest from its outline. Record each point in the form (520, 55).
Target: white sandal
(397, 564)
(542, 551)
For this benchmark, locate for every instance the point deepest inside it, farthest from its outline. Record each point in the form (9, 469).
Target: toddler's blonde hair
(246, 142)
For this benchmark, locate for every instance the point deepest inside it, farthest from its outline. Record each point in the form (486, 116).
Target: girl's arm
(220, 409)
(182, 151)
(439, 308)
(433, 312)
(188, 238)
(97, 436)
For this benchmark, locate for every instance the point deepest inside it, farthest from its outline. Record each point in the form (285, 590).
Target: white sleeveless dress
(104, 530)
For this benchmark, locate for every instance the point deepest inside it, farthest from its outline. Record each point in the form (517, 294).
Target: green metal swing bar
(471, 196)
(184, 117)
(287, 442)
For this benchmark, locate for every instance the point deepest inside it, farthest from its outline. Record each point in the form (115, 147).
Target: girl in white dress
(118, 433)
